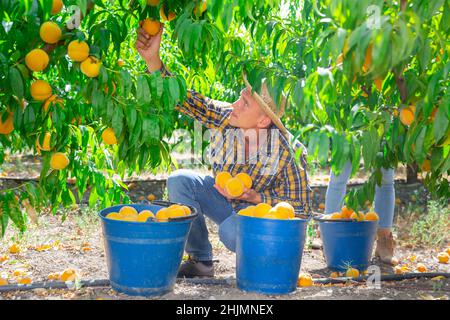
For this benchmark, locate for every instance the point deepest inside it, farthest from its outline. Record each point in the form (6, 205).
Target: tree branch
(366, 90)
(401, 85)
(399, 78)
(403, 4)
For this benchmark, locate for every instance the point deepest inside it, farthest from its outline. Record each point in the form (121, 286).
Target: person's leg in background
(335, 194)
(190, 188)
(336, 190)
(384, 207)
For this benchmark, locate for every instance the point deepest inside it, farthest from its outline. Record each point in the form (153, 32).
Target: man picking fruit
(239, 183)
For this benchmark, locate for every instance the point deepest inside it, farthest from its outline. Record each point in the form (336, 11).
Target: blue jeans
(197, 190)
(384, 195)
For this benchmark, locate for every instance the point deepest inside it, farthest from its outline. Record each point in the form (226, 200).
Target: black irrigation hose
(53, 285)
(216, 282)
(103, 283)
(389, 277)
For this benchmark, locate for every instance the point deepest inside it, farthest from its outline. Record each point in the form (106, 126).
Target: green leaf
(227, 15)
(12, 209)
(182, 87)
(174, 89)
(16, 82)
(143, 91)
(117, 121)
(143, 158)
(29, 118)
(157, 85)
(437, 158)
(4, 218)
(275, 42)
(98, 102)
(131, 116)
(419, 152)
(338, 152)
(82, 4)
(445, 26)
(441, 121)
(324, 146)
(150, 129)
(110, 108)
(136, 133)
(125, 82)
(93, 198)
(155, 156)
(314, 140)
(368, 149)
(195, 40)
(446, 166)
(355, 154)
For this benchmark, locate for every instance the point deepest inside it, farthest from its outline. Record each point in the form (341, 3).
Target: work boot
(385, 247)
(192, 268)
(317, 244)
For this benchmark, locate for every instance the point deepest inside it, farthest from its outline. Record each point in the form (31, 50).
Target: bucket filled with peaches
(269, 242)
(269, 248)
(348, 237)
(144, 245)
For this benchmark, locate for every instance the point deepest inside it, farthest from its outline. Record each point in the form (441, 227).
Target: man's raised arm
(148, 48)
(209, 112)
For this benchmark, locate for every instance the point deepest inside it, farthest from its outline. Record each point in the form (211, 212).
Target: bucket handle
(320, 218)
(162, 203)
(303, 215)
(165, 203)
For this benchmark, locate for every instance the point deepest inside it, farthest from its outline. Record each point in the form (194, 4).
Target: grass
(425, 226)
(311, 233)
(165, 195)
(86, 218)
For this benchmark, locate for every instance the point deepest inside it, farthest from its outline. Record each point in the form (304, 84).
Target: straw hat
(268, 105)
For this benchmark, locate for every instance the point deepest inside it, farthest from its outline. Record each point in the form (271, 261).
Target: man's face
(247, 114)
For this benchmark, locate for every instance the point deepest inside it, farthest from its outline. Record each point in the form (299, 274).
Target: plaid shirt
(274, 171)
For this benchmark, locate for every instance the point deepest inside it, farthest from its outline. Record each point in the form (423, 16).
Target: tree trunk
(411, 173)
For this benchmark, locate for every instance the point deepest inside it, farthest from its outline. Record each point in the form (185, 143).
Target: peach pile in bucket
(128, 213)
(281, 211)
(347, 213)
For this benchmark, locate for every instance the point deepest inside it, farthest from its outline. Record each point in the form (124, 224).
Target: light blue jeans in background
(197, 190)
(384, 195)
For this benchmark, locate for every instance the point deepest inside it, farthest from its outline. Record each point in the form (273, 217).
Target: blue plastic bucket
(269, 254)
(143, 258)
(347, 243)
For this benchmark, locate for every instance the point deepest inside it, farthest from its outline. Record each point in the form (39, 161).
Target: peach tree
(366, 80)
